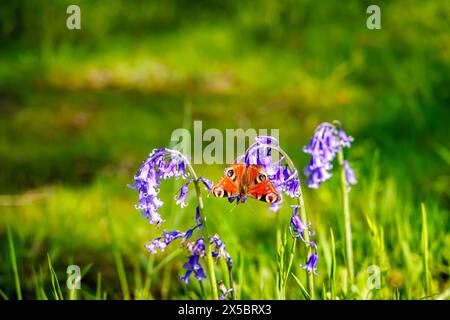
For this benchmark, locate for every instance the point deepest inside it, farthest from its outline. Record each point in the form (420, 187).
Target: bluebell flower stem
(205, 233)
(309, 275)
(230, 275)
(303, 216)
(347, 220)
(208, 253)
(290, 262)
(280, 263)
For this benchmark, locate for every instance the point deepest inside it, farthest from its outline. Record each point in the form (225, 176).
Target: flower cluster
(298, 228)
(323, 148)
(196, 248)
(161, 164)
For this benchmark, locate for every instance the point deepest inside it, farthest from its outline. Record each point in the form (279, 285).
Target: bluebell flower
(183, 193)
(297, 226)
(193, 266)
(162, 242)
(220, 251)
(287, 181)
(208, 184)
(217, 241)
(149, 176)
(317, 175)
(323, 148)
(162, 164)
(196, 248)
(199, 247)
(156, 243)
(224, 290)
(344, 139)
(350, 177)
(311, 264)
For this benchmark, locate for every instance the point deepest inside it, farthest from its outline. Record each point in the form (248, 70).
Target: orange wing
(259, 186)
(230, 184)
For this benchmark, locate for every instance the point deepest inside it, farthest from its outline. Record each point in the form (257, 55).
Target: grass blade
(56, 289)
(3, 295)
(117, 258)
(302, 288)
(166, 260)
(12, 255)
(122, 276)
(333, 268)
(425, 252)
(98, 292)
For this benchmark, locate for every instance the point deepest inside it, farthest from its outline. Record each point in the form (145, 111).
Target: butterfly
(241, 181)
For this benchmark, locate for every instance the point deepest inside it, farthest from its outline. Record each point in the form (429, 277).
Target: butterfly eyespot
(230, 173)
(271, 198)
(261, 177)
(218, 192)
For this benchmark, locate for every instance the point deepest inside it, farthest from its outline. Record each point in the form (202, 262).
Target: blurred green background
(80, 110)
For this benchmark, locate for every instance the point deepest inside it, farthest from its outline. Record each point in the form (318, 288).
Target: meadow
(80, 111)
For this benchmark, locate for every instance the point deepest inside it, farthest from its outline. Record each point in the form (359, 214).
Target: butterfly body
(242, 181)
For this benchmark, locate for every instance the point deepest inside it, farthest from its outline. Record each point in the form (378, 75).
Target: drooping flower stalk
(347, 179)
(285, 179)
(147, 180)
(346, 209)
(328, 141)
(230, 277)
(209, 261)
(303, 216)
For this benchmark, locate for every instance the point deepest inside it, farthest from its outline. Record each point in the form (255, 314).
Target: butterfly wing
(259, 186)
(229, 185)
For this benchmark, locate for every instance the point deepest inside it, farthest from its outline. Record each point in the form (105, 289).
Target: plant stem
(205, 233)
(332, 281)
(12, 255)
(347, 220)
(304, 218)
(425, 251)
(289, 265)
(230, 275)
(281, 279)
(310, 275)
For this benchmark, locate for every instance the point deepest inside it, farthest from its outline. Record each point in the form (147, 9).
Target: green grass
(425, 253)
(56, 288)
(80, 111)
(13, 261)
